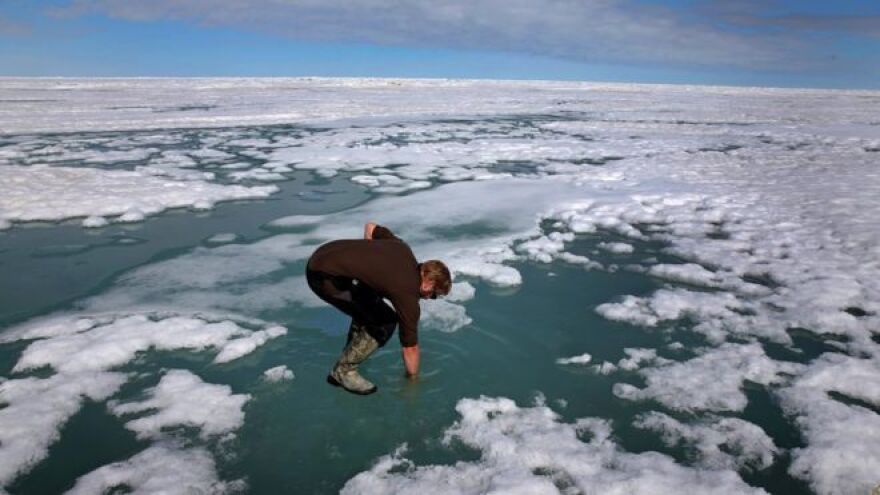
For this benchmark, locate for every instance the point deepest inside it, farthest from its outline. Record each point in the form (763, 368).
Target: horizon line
(432, 79)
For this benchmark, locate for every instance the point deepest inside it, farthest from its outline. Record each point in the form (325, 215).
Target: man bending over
(355, 275)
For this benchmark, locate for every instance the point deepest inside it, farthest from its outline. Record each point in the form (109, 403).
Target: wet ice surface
(658, 288)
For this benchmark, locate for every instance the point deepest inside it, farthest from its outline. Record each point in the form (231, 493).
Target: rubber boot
(345, 374)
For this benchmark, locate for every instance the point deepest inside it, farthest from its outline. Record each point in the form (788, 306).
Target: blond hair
(436, 271)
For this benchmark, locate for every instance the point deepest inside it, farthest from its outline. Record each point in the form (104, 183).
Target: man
(354, 275)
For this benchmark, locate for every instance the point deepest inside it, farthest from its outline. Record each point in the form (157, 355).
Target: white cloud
(596, 31)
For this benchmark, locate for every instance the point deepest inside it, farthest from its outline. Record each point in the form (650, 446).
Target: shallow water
(49, 266)
(307, 437)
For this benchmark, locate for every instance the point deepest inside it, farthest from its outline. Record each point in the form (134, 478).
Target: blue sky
(806, 43)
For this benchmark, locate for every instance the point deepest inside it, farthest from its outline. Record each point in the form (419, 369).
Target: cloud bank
(599, 31)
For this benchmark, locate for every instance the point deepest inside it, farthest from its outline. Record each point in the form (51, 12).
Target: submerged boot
(345, 374)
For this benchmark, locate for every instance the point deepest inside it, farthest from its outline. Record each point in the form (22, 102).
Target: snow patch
(37, 408)
(711, 381)
(183, 399)
(159, 469)
(443, 316)
(617, 247)
(841, 454)
(223, 238)
(718, 442)
(242, 346)
(116, 341)
(581, 359)
(82, 351)
(278, 374)
(529, 450)
(41, 192)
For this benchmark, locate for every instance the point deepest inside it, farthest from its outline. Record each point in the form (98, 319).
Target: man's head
(436, 280)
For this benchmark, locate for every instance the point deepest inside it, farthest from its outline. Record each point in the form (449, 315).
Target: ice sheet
(69, 104)
(766, 198)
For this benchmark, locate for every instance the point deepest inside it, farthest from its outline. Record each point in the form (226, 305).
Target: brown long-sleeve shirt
(384, 263)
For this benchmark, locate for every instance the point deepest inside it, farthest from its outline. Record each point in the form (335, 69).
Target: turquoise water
(304, 436)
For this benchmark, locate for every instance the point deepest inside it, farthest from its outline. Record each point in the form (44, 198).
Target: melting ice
(658, 288)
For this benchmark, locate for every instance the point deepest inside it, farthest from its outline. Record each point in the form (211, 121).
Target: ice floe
(617, 247)
(159, 469)
(36, 408)
(835, 402)
(222, 238)
(635, 357)
(581, 359)
(116, 341)
(718, 442)
(183, 399)
(41, 192)
(712, 381)
(83, 351)
(530, 450)
(278, 374)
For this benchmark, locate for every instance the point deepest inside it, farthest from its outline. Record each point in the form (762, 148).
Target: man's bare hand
(411, 360)
(368, 230)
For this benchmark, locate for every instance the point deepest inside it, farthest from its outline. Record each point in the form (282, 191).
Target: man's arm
(411, 360)
(408, 312)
